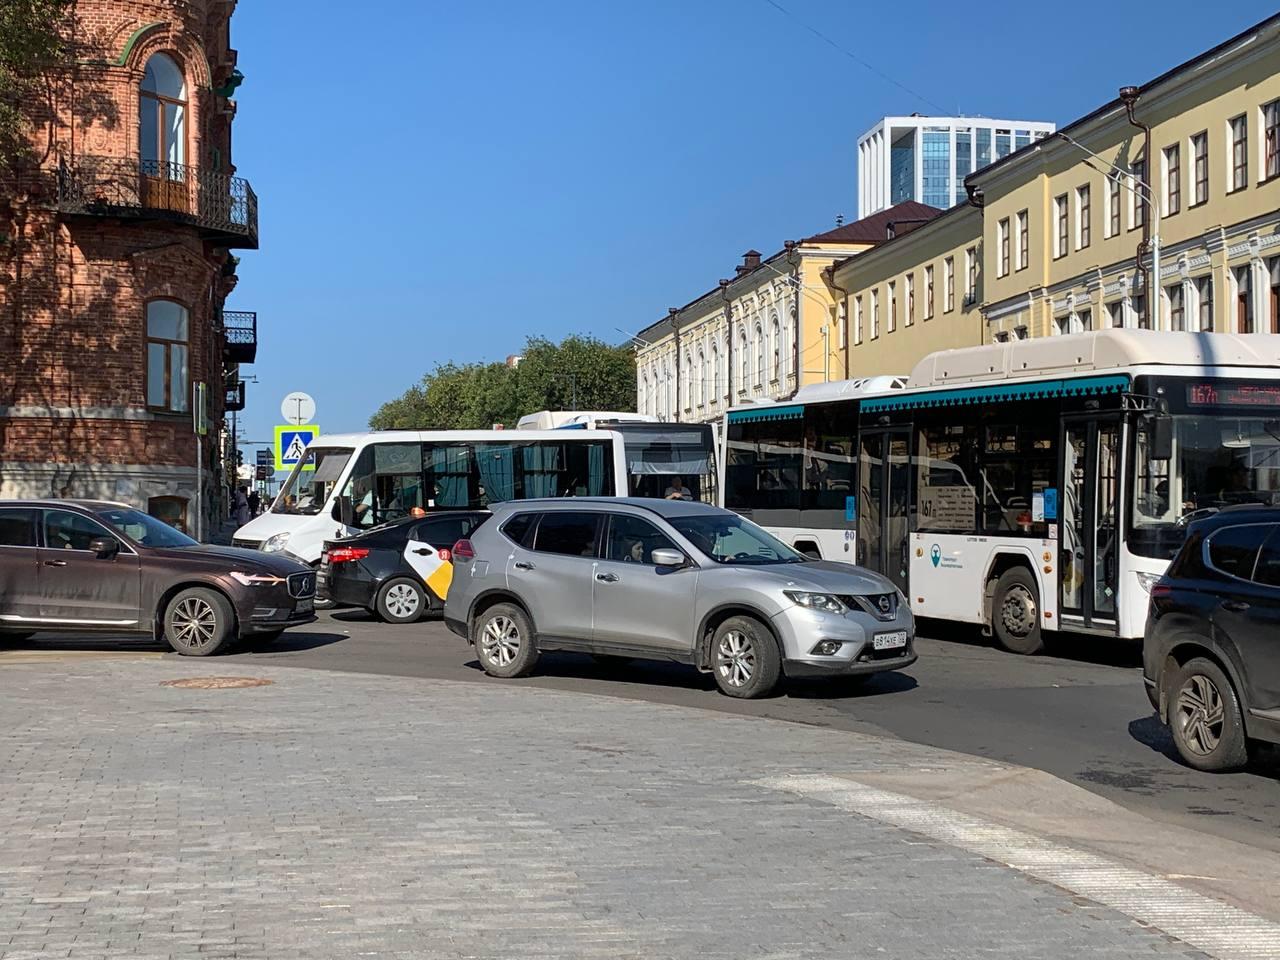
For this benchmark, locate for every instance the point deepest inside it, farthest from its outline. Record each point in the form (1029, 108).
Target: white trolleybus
(1031, 486)
(656, 452)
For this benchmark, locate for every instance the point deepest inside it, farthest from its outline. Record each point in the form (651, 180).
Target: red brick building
(116, 261)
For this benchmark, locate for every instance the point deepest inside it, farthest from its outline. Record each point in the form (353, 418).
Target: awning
(794, 412)
(999, 393)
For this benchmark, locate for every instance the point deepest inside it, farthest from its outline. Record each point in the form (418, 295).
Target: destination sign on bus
(1233, 395)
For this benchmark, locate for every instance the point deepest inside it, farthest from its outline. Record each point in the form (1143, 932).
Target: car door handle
(423, 552)
(1236, 606)
(55, 563)
(607, 577)
(523, 565)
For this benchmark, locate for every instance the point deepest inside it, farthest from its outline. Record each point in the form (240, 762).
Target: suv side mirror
(668, 558)
(104, 547)
(1160, 441)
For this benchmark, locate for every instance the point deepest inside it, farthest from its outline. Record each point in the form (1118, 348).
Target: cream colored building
(777, 325)
(1062, 227)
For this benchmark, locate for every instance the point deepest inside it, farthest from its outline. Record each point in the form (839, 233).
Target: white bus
(350, 482)
(1030, 486)
(656, 452)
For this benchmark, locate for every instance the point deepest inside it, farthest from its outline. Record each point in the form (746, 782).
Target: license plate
(308, 604)
(889, 641)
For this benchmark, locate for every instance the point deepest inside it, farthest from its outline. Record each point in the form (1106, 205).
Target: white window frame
(857, 319)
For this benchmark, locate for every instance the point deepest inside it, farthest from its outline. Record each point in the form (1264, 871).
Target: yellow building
(776, 326)
(917, 293)
(1064, 229)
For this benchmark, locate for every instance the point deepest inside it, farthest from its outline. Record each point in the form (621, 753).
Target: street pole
(195, 428)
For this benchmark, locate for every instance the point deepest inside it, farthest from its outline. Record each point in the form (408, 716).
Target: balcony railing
(240, 329)
(235, 397)
(224, 207)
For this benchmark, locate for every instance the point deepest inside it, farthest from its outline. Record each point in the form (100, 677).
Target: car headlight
(826, 602)
(254, 579)
(1148, 580)
(275, 544)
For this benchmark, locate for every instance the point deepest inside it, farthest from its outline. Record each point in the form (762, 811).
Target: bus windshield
(1218, 461)
(312, 481)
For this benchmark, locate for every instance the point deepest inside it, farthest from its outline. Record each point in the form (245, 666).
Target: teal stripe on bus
(1001, 392)
(767, 413)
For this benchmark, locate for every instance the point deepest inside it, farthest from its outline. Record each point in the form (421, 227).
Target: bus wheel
(1015, 612)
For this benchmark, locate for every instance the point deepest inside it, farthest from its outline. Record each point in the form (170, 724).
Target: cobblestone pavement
(339, 815)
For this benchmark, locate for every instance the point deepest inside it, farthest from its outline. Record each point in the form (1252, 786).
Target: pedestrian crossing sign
(291, 444)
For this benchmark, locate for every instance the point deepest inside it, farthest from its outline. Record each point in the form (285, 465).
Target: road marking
(1216, 928)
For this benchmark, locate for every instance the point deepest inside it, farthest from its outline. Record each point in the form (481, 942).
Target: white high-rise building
(927, 158)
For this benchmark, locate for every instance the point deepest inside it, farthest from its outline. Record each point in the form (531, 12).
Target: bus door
(1089, 523)
(884, 477)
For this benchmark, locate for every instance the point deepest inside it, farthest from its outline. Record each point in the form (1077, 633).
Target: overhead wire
(855, 58)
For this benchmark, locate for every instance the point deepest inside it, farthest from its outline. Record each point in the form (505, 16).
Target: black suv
(1211, 657)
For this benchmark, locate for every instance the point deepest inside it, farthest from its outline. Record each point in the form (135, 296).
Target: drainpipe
(673, 316)
(1130, 97)
(793, 259)
(728, 319)
(829, 275)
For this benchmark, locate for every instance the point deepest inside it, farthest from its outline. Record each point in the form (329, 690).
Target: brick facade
(82, 252)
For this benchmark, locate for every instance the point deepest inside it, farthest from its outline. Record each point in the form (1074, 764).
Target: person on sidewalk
(242, 506)
(255, 501)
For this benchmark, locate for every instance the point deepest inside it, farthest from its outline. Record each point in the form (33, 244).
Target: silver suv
(668, 580)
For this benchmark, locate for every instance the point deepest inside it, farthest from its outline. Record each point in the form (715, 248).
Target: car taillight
(1161, 591)
(347, 554)
(445, 554)
(462, 550)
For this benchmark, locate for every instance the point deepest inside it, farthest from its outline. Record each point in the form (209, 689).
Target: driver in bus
(365, 507)
(677, 491)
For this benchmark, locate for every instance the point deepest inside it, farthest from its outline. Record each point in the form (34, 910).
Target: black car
(399, 570)
(1211, 656)
(89, 565)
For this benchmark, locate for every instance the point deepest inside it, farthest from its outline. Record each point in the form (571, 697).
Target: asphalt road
(1080, 714)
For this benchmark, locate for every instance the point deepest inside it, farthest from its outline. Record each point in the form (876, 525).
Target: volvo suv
(75, 566)
(668, 580)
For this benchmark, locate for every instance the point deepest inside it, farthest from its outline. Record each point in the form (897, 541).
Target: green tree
(580, 373)
(33, 49)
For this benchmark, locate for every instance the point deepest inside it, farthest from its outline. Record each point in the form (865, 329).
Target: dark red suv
(85, 565)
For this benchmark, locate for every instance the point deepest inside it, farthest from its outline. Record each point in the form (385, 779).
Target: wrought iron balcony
(235, 397)
(240, 330)
(225, 208)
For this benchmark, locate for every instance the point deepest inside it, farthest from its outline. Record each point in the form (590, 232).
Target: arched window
(715, 371)
(643, 400)
(701, 381)
(162, 119)
(667, 405)
(167, 347)
(759, 356)
(777, 349)
(684, 381)
(744, 362)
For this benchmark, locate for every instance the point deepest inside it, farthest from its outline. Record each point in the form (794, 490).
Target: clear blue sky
(440, 180)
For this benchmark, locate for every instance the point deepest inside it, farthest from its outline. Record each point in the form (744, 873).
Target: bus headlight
(275, 544)
(1148, 580)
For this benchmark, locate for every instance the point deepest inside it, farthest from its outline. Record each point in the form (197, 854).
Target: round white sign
(298, 408)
